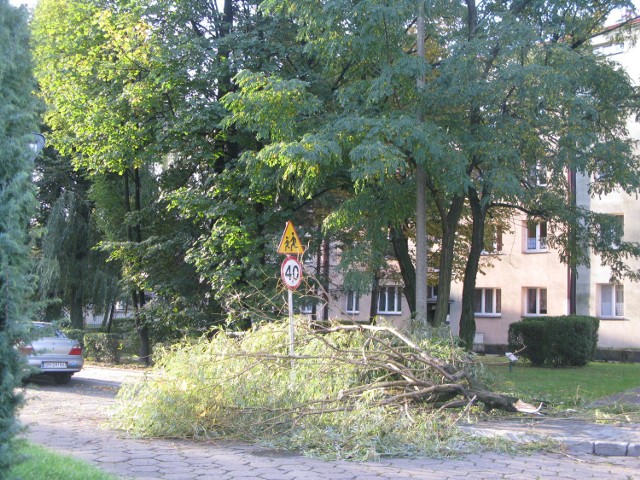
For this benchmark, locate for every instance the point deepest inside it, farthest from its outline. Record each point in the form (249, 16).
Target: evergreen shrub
(556, 341)
(17, 207)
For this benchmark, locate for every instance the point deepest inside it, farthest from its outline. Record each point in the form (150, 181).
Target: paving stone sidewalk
(71, 421)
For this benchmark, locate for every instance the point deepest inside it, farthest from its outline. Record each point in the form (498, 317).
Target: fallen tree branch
(415, 369)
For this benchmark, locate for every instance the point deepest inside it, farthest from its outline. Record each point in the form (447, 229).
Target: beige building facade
(531, 280)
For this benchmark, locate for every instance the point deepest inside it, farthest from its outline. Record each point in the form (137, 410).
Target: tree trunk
(75, 310)
(421, 202)
(108, 317)
(373, 310)
(314, 308)
(325, 279)
(478, 213)
(137, 296)
(572, 271)
(400, 244)
(467, 317)
(449, 228)
(143, 330)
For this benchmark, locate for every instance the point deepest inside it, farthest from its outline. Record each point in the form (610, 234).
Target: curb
(575, 445)
(604, 449)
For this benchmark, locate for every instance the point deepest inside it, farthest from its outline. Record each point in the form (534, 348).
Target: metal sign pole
(291, 274)
(291, 348)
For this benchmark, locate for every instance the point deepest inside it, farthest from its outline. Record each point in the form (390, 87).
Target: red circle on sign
(291, 273)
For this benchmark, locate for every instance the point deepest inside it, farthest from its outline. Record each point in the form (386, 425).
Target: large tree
(91, 61)
(369, 111)
(17, 121)
(505, 88)
(539, 103)
(72, 273)
(134, 97)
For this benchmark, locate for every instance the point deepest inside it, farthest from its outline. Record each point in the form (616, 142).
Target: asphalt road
(71, 420)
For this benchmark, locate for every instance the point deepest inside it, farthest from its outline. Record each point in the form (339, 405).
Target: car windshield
(41, 330)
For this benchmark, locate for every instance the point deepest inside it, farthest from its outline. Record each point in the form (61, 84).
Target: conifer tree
(17, 120)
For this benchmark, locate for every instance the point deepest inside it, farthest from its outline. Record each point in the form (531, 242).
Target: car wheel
(62, 378)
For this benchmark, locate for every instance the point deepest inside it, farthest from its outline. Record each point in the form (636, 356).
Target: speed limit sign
(291, 273)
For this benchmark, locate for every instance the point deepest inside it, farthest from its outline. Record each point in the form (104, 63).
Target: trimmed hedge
(558, 341)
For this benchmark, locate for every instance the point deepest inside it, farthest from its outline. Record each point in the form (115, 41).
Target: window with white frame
(611, 299)
(535, 301)
(536, 236)
(353, 302)
(538, 176)
(307, 307)
(609, 49)
(494, 244)
(487, 301)
(432, 292)
(390, 300)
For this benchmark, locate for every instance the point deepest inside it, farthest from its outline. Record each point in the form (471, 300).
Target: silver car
(52, 353)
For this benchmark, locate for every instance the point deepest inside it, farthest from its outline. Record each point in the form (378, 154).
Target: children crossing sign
(290, 242)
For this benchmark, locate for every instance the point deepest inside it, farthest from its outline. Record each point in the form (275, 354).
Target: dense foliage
(505, 90)
(72, 272)
(203, 126)
(555, 341)
(17, 121)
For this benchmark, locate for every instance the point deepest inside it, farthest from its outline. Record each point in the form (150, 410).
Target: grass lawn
(37, 463)
(566, 387)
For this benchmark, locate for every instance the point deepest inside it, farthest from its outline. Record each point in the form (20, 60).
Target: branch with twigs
(406, 372)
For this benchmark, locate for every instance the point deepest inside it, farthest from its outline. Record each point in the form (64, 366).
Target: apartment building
(527, 278)
(617, 305)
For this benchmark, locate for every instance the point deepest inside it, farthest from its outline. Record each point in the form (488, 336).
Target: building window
(536, 236)
(494, 244)
(538, 176)
(609, 49)
(611, 301)
(390, 300)
(432, 292)
(306, 308)
(612, 230)
(353, 302)
(488, 301)
(536, 301)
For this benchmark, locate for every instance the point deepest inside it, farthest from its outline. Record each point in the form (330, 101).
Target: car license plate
(54, 364)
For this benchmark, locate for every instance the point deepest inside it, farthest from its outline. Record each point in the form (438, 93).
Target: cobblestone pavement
(69, 419)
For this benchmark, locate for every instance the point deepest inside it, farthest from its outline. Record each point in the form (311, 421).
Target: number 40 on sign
(291, 272)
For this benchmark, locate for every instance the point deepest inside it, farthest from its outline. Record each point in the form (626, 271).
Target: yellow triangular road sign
(290, 242)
